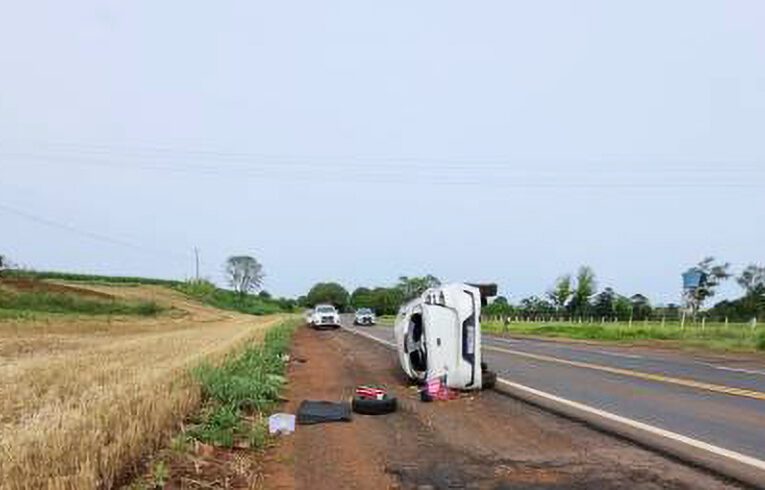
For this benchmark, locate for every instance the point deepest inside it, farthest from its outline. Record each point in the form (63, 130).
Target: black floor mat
(319, 412)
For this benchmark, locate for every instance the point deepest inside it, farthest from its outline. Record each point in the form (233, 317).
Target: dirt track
(483, 441)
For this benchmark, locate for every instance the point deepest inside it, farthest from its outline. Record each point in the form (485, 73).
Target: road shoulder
(479, 441)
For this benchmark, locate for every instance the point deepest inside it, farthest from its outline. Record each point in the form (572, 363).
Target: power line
(186, 154)
(85, 233)
(668, 178)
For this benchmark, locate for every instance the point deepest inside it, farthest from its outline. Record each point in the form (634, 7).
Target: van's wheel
(372, 406)
(488, 380)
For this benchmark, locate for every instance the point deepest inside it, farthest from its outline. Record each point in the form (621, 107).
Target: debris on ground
(319, 412)
(371, 400)
(281, 423)
(483, 440)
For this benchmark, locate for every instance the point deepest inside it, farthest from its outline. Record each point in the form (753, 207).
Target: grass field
(19, 298)
(90, 278)
(84, 396)
(711, 335)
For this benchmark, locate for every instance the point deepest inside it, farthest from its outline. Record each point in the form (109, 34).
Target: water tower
(693, 279)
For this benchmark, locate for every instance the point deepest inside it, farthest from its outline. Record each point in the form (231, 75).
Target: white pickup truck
(324, 316)
(438, 335)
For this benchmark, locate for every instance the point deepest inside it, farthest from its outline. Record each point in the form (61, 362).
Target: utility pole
(196, 257)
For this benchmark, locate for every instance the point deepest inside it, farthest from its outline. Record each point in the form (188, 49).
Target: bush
(208, 293)
(761, 341)
(250, 382)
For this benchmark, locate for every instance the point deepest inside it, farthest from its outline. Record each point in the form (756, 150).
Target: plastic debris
(281, 423)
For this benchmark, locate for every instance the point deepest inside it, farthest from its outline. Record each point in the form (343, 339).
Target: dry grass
(82, 398)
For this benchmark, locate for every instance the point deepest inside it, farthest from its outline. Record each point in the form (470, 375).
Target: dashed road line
(728, 390)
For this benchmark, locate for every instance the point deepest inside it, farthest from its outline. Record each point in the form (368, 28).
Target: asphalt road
(716, 399)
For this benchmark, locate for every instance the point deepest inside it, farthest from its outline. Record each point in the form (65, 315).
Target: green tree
(244, 273)
(751, 277)
(362, 298)
(713, 274)
(499, 307)
(412, 287)
(604, 303)
(328, 292)
(641, 307)
(534, 305)
(585, 288)
(751, 305)
(561, 292)
(622, 307)
(386, 301)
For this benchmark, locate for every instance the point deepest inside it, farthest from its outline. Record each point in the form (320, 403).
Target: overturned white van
(439, 335)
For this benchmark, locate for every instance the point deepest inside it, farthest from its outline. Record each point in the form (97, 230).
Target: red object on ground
(437, 390)
(370, 392)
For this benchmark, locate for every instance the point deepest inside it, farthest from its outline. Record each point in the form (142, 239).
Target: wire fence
(648, 321)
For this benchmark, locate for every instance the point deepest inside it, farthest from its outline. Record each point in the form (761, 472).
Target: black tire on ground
(488, 380)
(369, 406)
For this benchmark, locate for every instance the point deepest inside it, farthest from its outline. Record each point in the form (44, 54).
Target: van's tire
(488, 380)
(371, 406)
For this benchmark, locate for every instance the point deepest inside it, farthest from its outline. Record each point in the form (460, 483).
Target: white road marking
(719, 451)
(618, 354)
(369, 336)
(727, 453)
(738, 370)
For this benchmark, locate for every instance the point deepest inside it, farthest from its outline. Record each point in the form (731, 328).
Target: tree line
(572, 296)
(383, 300)
(577, 296)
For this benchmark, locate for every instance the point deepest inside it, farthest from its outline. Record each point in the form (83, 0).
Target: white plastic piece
(281, 423)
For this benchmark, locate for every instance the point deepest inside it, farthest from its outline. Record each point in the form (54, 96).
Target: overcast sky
(357, 141)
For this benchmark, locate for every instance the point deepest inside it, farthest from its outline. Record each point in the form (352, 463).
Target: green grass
(712, 335)
(249, 383)
(203, 291)
(15, 305)
(206, 292)
(16, 315)
(90, 278)
(386, 320)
